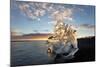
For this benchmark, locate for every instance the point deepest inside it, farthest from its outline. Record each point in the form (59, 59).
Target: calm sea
(29, 53)
(35, 53)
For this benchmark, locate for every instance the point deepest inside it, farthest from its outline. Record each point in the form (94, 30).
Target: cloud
(39, 12)
(34, 10)
(89, 26)
(46, 30)
(85, 30)
(62, 15)
(16, 32)
(36, 31)
(25, 9)
(52, 22)
(79, 10)
(67, 12)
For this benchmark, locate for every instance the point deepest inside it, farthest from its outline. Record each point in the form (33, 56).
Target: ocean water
(29, 53)
(35, 53)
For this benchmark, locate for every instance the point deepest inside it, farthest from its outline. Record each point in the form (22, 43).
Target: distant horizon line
(23, 40)
(36, 34)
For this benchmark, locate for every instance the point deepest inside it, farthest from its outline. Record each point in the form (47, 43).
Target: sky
(39, 17)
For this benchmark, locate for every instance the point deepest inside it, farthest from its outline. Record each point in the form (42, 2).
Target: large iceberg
(63, 41)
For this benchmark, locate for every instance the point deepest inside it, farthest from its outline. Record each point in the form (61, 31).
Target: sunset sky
(32, 17)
